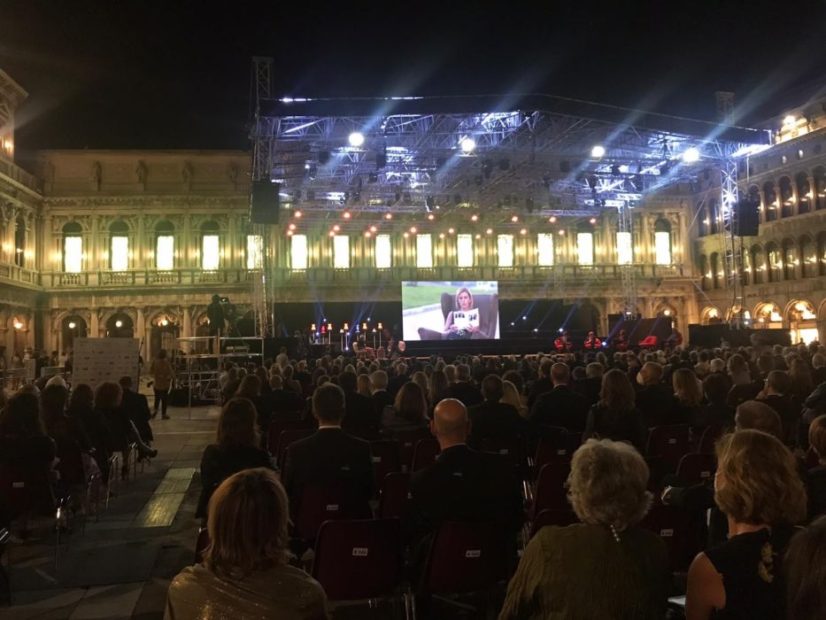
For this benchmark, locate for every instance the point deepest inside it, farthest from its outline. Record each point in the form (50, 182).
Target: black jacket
(218, 464)
(560, 407)
(627, 426)
(495, 421)
(136, 408)
(657, 405)
(360, 416)
(465, 392)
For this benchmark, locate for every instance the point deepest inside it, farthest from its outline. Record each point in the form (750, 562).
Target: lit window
(545, 249)
(504, 247)
(255, 252)
(662, 248)
(119, 253)
(424, 252)
(464, 250)
(72, 254)
(341, 252)
(384, 252)
(298, 251)
(585, 248)
(210, 248)
(165, 253)
(625, 255)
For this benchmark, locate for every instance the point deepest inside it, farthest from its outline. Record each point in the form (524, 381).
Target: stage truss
(533, 155)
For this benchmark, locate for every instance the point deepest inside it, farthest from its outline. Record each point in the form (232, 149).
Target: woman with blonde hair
(245, 573)
(606, 566)
(464, 305)
(512, 397)
(363, 383)
(759, 490)
(409, 411)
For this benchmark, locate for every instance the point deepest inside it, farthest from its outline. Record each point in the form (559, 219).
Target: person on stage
(592, 343)
(620, 341)
(215, 314)
(462, 322)
(675, 339)
(563, 343)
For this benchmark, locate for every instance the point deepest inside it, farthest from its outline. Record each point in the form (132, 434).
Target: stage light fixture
(552, 219)
(451, 230)
(515, 219)
(561, 231)
(441, 235)
(118, 323)
(489, 231)
(356, 139)
(593, 220)
(413, 230)
(72, 324)
(373, 229)
(474, 218)
(332, 233)
(336, 228)
(388, 216)
(691, 155)
(468, 145)
(297, 214)
(289, 233)
(524, 231)
(292, 226)
(367, 233)
(431, 217)
(406, 235)
(346, 215)
(598, 151)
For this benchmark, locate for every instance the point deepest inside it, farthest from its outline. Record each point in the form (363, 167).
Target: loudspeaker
(746, 218)
(264, 202)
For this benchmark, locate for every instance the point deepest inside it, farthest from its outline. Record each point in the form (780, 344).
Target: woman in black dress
(615, 416)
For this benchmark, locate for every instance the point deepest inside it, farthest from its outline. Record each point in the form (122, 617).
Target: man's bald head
(450, 421)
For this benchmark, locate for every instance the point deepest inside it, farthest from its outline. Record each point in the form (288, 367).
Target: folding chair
(394, 495)
(554, 447)
(674, 526)
(696, 469)
(557, 516)
(318, 504)
(407, 445)
(550, 488)
(359, 559)
(512, 449)
(285, 439)
(425, 453)
(385, 455)
(709, 437)
(277, 426)
(668, 442)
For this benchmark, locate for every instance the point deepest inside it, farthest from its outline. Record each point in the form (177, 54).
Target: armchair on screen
(488, 306)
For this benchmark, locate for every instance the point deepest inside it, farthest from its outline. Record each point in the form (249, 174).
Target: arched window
(20, 241)
(820, 187)
(210, 246)
(164, 246)
(72, 248)
(770, 201)
(585, 244)
(804, 189)
(786, 197)
(758, 264)
(662, 242)
(775, 261)
(716, 271)
(790, 259)
(119, 246)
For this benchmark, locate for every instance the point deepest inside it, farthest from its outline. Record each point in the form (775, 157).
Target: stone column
(186, 318)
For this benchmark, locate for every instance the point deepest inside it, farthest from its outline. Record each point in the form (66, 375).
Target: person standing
(162, 376)
(215, 314)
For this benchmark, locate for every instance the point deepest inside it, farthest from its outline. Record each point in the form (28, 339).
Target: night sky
(177, 75)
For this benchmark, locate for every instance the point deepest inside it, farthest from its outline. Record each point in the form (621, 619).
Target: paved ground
(121, 565)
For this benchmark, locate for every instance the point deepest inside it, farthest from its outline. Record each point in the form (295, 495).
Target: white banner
(98, 360)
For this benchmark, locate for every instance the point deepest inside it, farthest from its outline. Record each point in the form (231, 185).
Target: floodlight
(691, 155)
(468, 145)
(356, 139)
(598, 151)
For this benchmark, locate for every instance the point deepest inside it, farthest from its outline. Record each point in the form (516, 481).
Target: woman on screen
(462, 322)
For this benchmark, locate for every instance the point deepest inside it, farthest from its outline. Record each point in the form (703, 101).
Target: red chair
(696, 468)
(358, 559)
(201, 543)
(649, 342)
(559, 516)
(407, 445)
(425, 454)
(674, 526)
(709, 438)
(318, 504)
(394, 495)
(285, 439)
(465, 557)
(385, 455)
(554, 447)
(669, 443)
(550, 491)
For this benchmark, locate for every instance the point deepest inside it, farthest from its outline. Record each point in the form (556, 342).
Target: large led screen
(450, 310)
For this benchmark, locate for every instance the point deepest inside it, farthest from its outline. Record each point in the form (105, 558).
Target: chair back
(23, 492)
(318, 504)
(670, 443)
(555, 446)
(465, 557)
(358, 559)
(425, 453)
(385, 454)
(285, 439)
(709, 437)
(558, 516)
(407, 445)
(550, 488)
(696, 468)
(674, 526)
(291, 422)
(394, 496)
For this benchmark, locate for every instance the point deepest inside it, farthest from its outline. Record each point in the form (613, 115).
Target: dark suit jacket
(656, 403)
(788, 408)
(539, 387)
(329, 457)
(360, 416)
(137, 409)
(465, 485)
(617, 426)
(381, 399)
(496, 421)
(560, 407)
(218, 464)
(466, 392)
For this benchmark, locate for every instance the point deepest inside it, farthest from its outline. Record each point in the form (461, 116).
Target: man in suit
(329, 457)
(542, 384)
(463, 484)
(561, 406)
(360, 417)
(654, 399)
(136, 408)
(378, 392)
(492, 420)
(398, 380)
(464, 390)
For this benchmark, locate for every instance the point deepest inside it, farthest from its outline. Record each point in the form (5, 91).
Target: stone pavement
(121, 565)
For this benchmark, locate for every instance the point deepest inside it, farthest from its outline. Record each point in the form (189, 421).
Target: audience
(816, 477)
(408, 413)
(360, 416)
(615, 416)
(654, 399)
(606, 566)
(758, 489)
(245, 573)
(493, 422)
(463, 389)
(805, 573)
(560, 406)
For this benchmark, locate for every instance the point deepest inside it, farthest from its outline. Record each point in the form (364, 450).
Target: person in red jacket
(592, 343)
(563, 343)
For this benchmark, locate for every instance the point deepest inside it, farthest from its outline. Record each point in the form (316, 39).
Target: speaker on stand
(265, 203)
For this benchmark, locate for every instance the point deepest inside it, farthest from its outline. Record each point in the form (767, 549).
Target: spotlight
(297, 215)
(292, 227)
(474, 218)
(515, 219)
(561, 231)
(451, 230)
(524, 231)
(431, 217)
(552, 219)
(373, 229)
(468, 145)
(691, 155)
(164, 322)
(367, 233)
(289, 233)
(336, 227)
(406, 235)
(593, 220)
(17, 324)
(489, 231)
(346, 215)
(72, 324)
(413, 230)
(118, 323)
(388, 216)
(598, 151)
(356, 139)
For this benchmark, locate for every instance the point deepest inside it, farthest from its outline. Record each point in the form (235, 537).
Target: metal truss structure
(533, 154)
